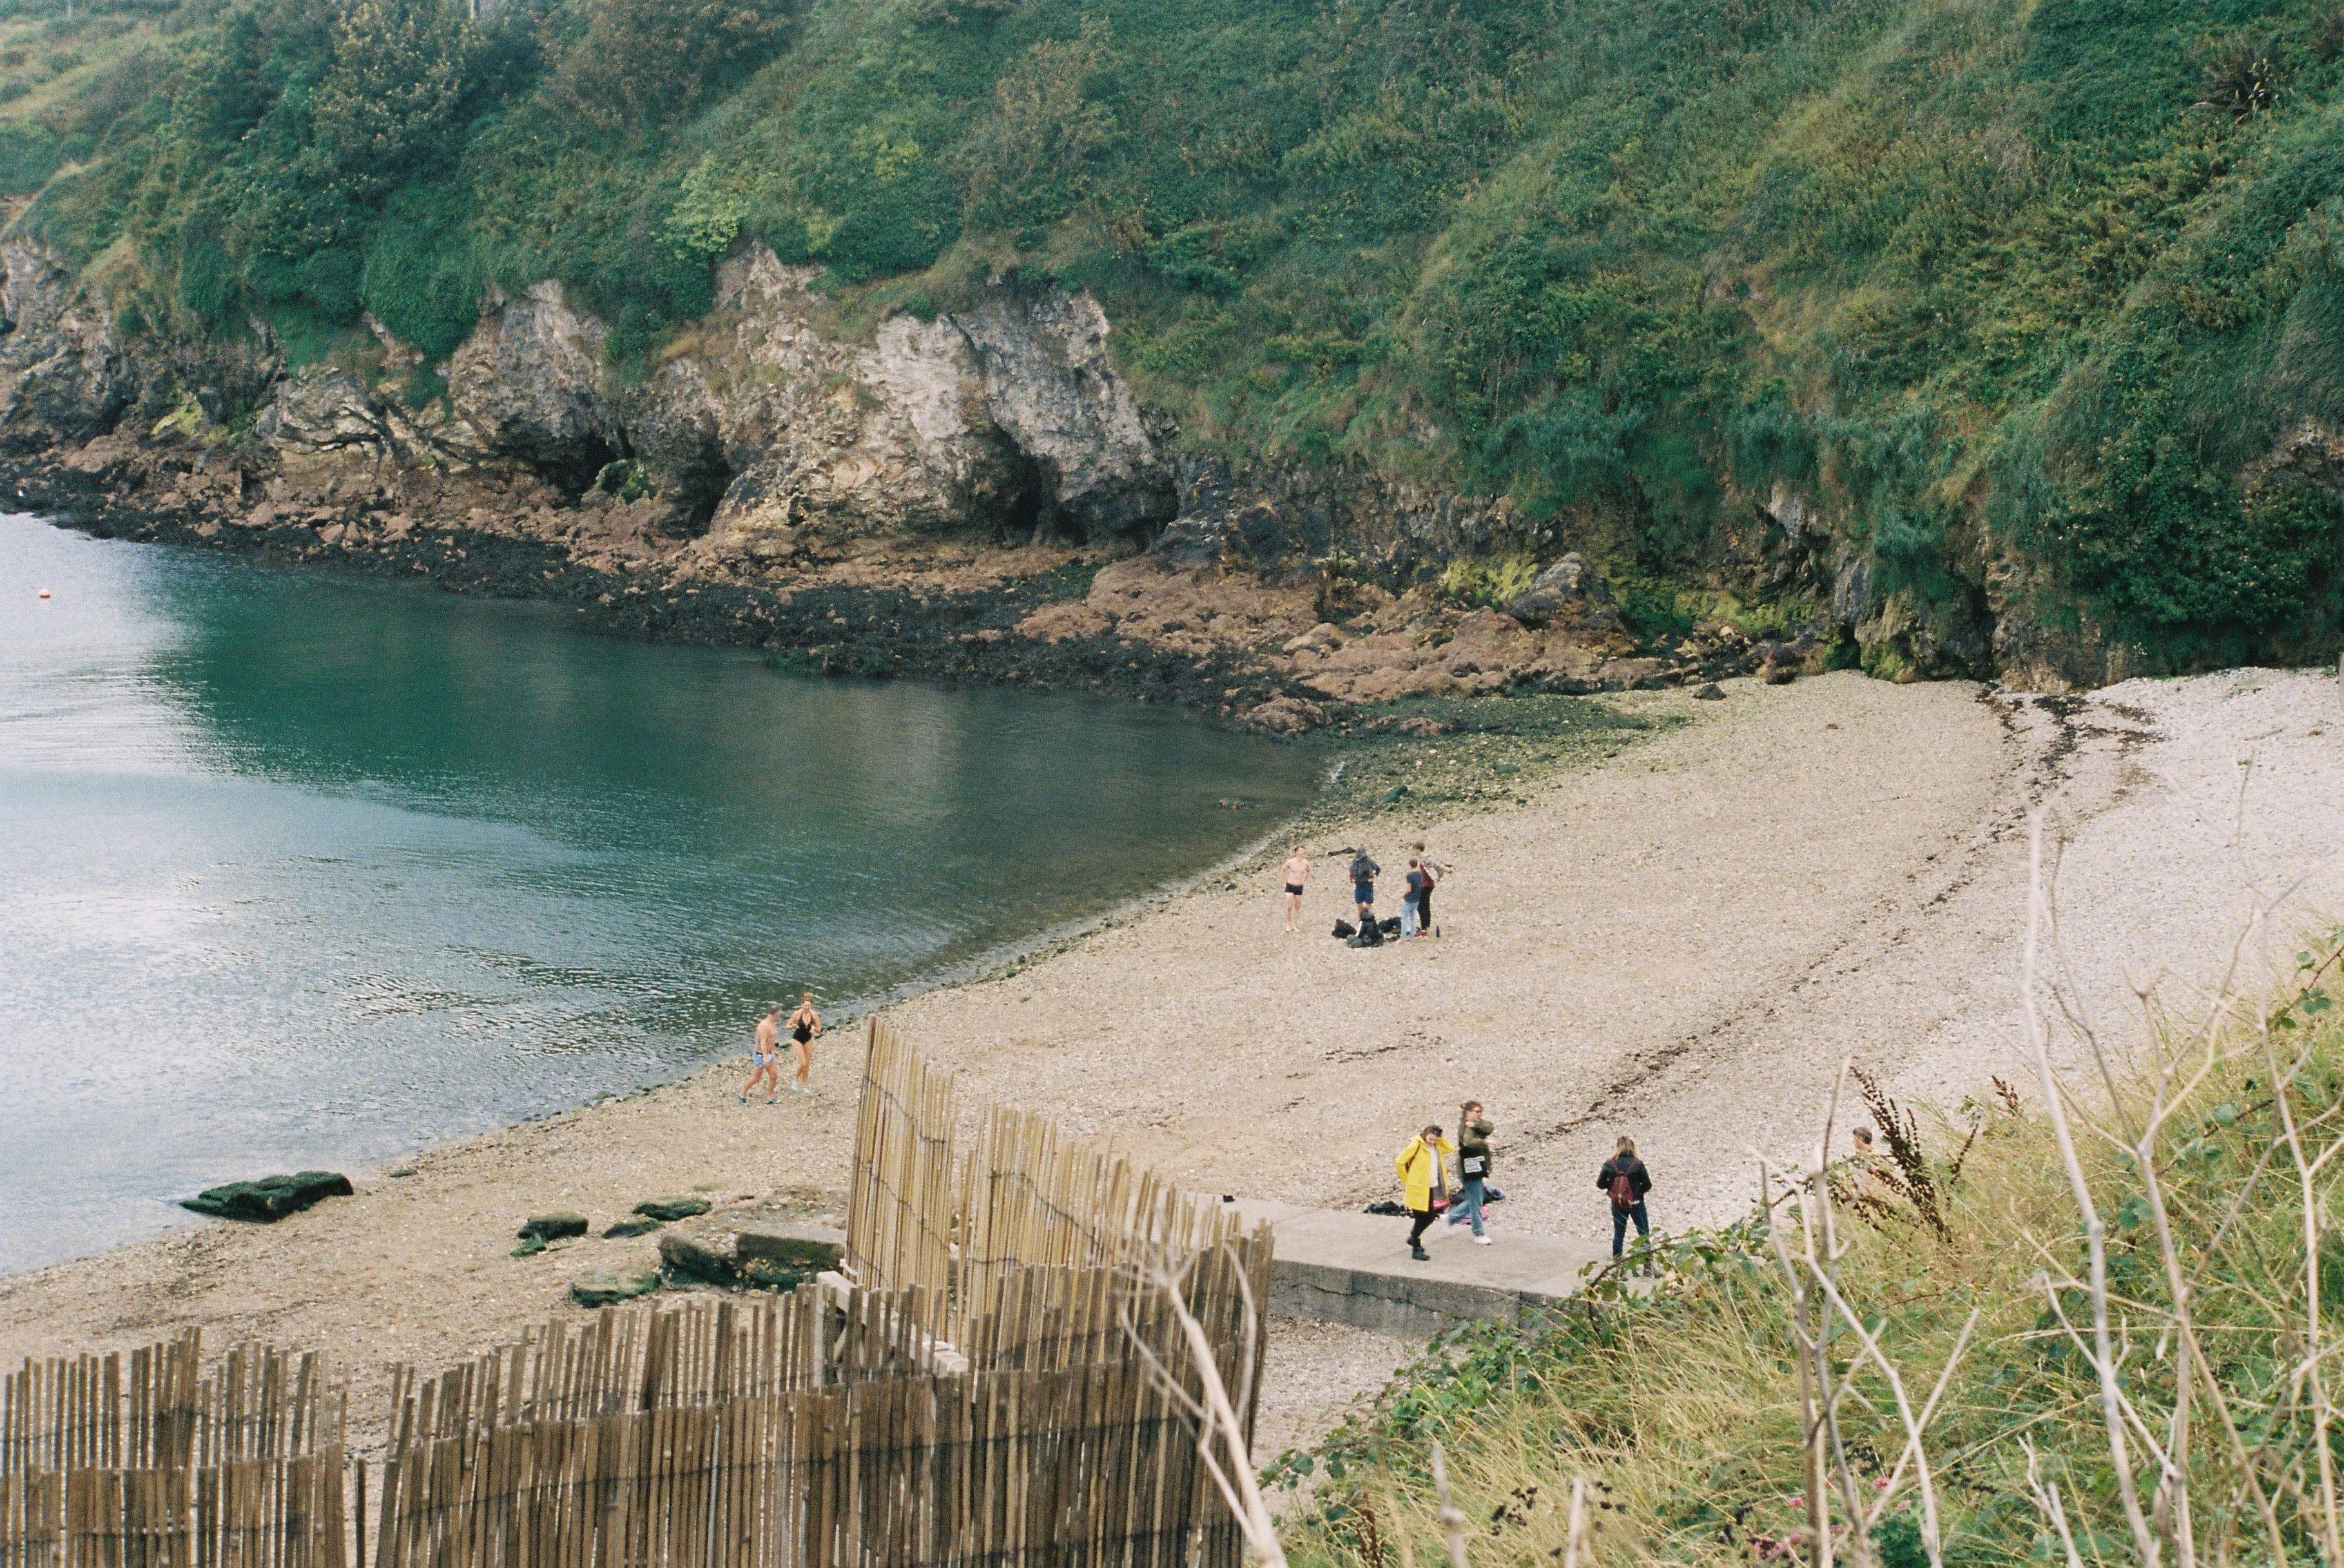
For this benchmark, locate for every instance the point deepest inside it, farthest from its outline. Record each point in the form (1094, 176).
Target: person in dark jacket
(1363, 886)
(1624, 1175)
(1473, 1168)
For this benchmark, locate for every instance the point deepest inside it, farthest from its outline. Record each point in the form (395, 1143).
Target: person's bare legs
(805, 1066)
(1293, 911)
(769, 1071)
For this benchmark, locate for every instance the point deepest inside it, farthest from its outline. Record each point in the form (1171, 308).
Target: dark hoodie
(1473, 1143)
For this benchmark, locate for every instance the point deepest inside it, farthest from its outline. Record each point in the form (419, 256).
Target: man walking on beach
(766, 1054)
(1297, 874)
(1363, 886)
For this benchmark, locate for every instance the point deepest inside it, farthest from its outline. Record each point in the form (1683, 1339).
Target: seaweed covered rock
(666, 1208)
(554, 1227)
(636, 1225)
(270, 1196)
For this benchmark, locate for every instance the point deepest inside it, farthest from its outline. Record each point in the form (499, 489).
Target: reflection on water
(304, 870)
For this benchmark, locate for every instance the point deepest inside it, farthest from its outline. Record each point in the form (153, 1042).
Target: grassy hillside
(2016, 296)
(1681, 1414)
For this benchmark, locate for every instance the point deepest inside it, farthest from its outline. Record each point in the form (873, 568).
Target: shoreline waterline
(304, 862)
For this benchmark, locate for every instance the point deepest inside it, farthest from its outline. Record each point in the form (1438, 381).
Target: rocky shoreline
(1038, 617)
(978, 497)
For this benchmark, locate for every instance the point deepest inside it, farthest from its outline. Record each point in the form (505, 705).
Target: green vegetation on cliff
(2037, 307)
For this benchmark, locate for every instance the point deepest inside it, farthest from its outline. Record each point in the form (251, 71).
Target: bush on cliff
(1682, 1413)
(2035, 306)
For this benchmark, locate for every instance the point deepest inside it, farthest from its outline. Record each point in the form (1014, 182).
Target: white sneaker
(1480, 1241)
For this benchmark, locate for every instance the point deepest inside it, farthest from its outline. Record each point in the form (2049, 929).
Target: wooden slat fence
(830, 1427)
(901, 1216)
(982, 1388)
(146, 1461)
(241, 1514)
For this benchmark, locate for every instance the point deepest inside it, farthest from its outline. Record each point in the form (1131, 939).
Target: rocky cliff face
(989, 468)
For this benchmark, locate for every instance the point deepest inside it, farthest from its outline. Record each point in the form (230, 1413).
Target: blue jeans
(1619, 1218)
(1407, 925)
(1468, 1205)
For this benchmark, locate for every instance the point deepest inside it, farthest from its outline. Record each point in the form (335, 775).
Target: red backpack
(1622, 1191)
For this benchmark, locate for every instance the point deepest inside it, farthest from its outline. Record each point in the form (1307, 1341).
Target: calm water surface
(308, 871)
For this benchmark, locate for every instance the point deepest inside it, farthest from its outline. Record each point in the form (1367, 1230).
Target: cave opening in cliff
(697, 487)
(1025, 505)
(575, 466)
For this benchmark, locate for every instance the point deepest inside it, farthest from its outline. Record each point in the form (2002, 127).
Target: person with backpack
(1425, 1167)
(1364, 871)
(1624, 1181)
(1472, 1169)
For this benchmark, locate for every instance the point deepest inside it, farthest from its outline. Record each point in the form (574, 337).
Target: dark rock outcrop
(270, 1198)
(558, 1226)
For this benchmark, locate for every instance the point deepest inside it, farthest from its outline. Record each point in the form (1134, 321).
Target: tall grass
(2115, 1342)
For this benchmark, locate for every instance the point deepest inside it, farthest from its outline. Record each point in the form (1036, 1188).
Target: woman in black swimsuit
(805, 1024)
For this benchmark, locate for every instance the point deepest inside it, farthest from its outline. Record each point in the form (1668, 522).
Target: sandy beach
(1680, 941)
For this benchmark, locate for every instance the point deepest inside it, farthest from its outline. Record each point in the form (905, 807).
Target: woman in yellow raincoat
(1427, 1166)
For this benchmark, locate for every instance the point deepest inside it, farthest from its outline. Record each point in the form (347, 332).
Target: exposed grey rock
(528, 385)
(706, 1259)
(1571, 593)
(1049, 385)
(607, 1287)
(796, 1245)
(63, 375)
(325, 413)
(1852, 586)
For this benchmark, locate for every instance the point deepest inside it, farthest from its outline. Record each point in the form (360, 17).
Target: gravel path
(1678, 942)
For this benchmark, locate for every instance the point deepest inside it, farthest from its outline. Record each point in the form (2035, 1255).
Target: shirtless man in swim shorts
(1297, 873)
(767, 1055)
(805, 1024)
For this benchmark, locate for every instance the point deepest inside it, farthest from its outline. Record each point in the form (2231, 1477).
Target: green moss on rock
(554, 1227)
(270, 1198)
(604, 1287)
(640, 1225)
